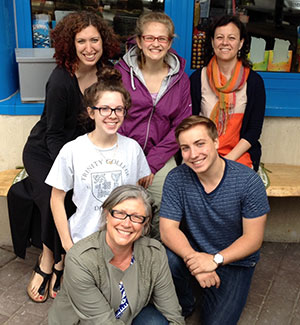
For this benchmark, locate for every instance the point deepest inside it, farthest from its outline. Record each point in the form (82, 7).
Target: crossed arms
(200, 264)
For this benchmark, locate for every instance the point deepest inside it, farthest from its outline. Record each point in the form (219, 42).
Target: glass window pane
(120, 14)
(271, 24)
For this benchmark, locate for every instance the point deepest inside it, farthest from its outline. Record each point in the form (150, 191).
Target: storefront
(267, 20)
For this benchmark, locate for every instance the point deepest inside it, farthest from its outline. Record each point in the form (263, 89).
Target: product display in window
(274, 22)
(120, 14)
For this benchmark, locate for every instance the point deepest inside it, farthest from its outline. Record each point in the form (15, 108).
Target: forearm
(175, 240)
(241, 147)
(248, 243)
(60, 218)
(241, 248)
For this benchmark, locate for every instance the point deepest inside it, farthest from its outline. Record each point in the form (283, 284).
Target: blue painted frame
(283, 89)
(23, 18)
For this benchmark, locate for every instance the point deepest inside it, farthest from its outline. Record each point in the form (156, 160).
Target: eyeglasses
(151, 38)
(123, 215)
(107, 111)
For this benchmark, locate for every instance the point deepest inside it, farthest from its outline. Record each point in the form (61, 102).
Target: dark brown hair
(109, 79)
(195, 120)
(223, 21)
(63, 37)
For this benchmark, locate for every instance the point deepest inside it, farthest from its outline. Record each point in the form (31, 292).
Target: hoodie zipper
(148, 128)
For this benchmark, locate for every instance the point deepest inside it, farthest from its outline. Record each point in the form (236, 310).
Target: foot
(38, 286)
(55, 283)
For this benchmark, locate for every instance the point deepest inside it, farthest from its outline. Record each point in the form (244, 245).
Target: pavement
(274, 298)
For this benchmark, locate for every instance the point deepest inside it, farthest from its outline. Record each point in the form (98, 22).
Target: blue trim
(23, 18)
(283, 93)
(181, 13)
(14, 106)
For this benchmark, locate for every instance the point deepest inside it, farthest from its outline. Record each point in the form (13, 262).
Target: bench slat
(284, 180)
(6, 179)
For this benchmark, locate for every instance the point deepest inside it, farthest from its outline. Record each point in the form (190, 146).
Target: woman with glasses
(154, 75)
(117, 276)
(95, 163)
(83, 44)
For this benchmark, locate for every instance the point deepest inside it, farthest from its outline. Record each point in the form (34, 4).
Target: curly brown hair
(63, 37)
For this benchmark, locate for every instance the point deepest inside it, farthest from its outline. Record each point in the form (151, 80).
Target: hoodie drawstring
(132, 79)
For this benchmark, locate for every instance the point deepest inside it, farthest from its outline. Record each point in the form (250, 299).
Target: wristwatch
(218, 259)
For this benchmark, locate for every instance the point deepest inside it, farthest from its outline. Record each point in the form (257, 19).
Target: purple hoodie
(153, 125)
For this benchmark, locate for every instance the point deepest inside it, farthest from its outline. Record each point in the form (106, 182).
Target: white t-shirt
(93, 173)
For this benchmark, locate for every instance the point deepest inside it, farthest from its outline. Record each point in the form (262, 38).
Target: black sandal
(43, 289)
(54, 291)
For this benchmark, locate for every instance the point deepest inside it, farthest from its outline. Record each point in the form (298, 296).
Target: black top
(59, 121)
(254, 112)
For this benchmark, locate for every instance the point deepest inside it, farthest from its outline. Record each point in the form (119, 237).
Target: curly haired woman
(83, 44)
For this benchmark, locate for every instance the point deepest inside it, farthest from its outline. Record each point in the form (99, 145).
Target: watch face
(218, 258)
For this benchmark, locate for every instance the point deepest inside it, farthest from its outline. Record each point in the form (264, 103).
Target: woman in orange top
(231, 94)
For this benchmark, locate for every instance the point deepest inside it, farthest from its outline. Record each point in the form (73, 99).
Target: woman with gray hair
(117, 276)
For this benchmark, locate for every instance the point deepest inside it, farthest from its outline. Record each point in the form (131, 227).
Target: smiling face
(123, 233)
(88, 44)
(154, 51)
(199, 150)
(107, 125)
(226, 42)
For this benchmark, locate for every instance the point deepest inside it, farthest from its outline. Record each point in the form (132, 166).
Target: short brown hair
(195, 120)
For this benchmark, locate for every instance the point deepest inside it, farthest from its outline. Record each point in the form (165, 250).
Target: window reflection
(273, 21)
(120, 14)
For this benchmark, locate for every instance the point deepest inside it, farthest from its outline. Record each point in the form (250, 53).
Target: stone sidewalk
(274, 298)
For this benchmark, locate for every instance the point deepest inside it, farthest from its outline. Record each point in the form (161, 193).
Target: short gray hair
(125, 192)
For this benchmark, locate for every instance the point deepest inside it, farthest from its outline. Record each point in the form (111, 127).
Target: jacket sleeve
(87, 300)
(255, 108)
(57, 92)
(164, 294)
(195, 80)
(167, 147)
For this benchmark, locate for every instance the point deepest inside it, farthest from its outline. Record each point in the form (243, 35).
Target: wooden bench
(284, 180)
(6, 179)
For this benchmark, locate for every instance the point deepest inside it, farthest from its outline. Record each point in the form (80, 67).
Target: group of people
(101, 167)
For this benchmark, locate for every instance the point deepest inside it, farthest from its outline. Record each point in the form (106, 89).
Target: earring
(239, 54)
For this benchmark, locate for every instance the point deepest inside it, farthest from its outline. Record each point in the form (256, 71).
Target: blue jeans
(222, 306)
(149, 315)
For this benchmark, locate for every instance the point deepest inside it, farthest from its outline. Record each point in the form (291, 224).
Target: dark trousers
(219, 306)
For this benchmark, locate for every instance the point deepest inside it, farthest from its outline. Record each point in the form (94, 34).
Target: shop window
(120, 14)
(273, 27)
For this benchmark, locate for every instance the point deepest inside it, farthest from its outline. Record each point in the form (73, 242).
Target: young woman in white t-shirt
(94, 164)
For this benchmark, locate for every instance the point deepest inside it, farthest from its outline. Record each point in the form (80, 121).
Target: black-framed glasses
(107, 111)
(123, 215)
(161, 39)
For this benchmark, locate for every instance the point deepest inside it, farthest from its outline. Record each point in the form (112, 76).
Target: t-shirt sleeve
(142, 164)
(61, 173)
(255, 201)
(171, 203)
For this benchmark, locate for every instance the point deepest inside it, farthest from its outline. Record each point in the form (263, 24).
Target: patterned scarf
(225, 90)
